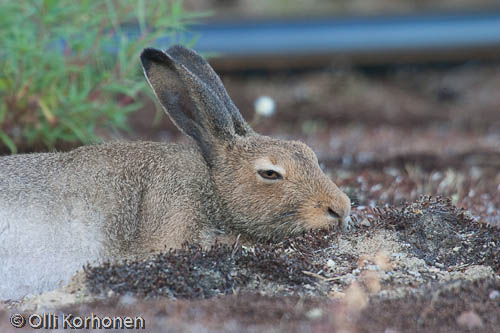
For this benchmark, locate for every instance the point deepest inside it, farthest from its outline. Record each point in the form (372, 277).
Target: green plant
(70, 68)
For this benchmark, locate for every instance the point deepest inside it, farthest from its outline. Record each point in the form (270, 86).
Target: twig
(236, 245)
(322, 278)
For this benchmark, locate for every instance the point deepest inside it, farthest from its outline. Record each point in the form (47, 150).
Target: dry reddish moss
(437, 309)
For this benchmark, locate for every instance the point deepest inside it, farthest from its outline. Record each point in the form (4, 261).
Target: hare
(59, 211)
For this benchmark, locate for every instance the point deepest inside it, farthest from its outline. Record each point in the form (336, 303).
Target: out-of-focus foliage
(68, 68)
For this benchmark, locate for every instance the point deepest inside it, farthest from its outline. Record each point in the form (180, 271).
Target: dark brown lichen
(441, 233)
(192, 272)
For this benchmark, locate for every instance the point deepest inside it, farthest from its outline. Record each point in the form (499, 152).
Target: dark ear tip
(151, 55)
(177, 48)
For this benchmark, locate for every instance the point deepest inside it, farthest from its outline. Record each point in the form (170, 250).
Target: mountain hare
(59, 211)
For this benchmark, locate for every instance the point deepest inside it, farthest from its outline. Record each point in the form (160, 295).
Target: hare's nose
(345, 222)
(333, 214)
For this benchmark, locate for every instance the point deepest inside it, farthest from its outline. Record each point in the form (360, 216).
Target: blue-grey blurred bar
(359, 36)
(354, 34)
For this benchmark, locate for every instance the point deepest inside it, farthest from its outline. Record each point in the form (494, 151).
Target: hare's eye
(269, 174)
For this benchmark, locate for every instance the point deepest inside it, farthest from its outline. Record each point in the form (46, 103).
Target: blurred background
(399, 98)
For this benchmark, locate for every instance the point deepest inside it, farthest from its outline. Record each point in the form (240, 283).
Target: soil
(418, 151)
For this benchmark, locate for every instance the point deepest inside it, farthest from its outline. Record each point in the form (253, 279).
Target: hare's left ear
(193, 107)
(202, 69)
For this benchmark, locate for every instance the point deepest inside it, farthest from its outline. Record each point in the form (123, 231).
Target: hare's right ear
(202, 69)
(193, 107)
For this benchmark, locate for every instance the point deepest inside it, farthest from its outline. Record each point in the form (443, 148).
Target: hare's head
(270, 188)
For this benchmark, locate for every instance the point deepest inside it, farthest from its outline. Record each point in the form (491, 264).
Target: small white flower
(265, 106)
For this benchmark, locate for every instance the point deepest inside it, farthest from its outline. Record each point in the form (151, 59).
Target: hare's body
(59, 211)
(100, 202)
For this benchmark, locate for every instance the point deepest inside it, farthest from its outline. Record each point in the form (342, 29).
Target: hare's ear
(193, 107)
(202, 69)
